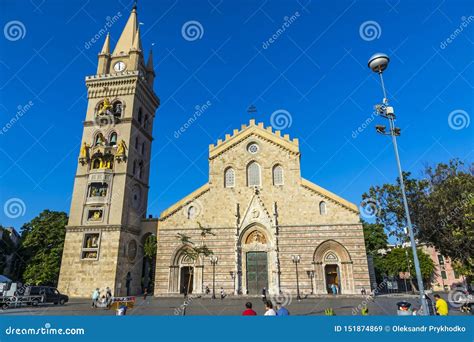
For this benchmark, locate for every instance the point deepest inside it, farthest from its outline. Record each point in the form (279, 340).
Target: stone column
(319, 279)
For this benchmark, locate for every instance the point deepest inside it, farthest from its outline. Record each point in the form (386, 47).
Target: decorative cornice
(106, 228)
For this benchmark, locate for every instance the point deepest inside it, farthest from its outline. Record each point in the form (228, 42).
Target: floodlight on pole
(378, 63)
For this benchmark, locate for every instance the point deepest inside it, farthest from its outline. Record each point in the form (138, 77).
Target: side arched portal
(185, 273)
(332, 266)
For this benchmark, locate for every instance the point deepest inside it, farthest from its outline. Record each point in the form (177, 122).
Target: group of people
(101, 301)
(269, 310)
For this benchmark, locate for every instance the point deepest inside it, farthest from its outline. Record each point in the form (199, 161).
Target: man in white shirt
(269, 309)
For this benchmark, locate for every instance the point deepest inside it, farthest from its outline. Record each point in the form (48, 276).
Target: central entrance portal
(257, 272)
(186, 285)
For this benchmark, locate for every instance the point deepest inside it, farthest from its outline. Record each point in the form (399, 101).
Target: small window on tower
(140, 116)
(117, 108)
(90, 246)
(113, 139)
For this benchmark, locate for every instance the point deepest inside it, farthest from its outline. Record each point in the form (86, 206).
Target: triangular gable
(183, 202)
(254, 129)
(256, 213)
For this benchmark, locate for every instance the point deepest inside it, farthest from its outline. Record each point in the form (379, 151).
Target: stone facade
(263, 213)
(293, 217)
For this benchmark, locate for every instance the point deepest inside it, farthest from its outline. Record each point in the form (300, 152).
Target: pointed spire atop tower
(126, 40)
(149, 63)
(106, 48)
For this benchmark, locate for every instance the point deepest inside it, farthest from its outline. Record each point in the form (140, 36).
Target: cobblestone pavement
(230, 306)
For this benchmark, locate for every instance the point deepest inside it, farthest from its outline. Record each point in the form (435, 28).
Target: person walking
(248, 310)
(281, 310)
(441, 306)
(145, 293)
(222, 293)
(108, 296)
(264, 294)
(333, 289)
(95, 297)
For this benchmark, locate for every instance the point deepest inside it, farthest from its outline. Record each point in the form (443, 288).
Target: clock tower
(109, 200)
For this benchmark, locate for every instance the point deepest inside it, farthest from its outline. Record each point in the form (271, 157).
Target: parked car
(50, 295)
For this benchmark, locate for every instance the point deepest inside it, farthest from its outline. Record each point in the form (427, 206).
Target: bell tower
(110, 193)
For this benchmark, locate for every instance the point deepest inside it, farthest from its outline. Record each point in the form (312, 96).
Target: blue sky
(315, 70)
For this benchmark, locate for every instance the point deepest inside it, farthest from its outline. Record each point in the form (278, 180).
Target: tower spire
(106, 48)
(126, 40)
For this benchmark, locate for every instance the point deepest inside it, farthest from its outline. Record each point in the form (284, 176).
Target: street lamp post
(378, 63)
(311, 276)
(296, 260)
(232, 275)
(213, 260)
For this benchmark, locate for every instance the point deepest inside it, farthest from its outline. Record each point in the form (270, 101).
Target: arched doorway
(332, 265)
(256, 261)
(185, 273)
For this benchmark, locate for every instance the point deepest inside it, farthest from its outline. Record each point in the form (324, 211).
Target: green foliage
(448, 220)
(42, 242)
(375, 237)
(365, 311)
(441, 208)
(149, 247)
(401, 260)
(329, 312)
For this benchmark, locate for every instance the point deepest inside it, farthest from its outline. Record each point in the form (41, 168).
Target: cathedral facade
(258, 221)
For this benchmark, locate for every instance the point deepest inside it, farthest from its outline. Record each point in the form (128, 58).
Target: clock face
(119, 66)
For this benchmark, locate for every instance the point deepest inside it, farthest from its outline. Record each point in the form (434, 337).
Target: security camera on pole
(378, 63)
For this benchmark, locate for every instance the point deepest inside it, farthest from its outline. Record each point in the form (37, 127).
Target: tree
(42, 241)
(400, 260)
(149, 247)
(375, 240)
(441, 208)
(192, 251)
(375, 237)
(448, 215)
